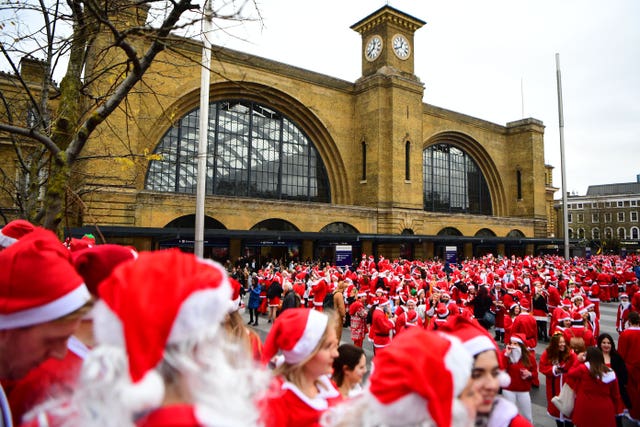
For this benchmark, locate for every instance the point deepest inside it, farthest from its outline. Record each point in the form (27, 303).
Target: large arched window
(453, 182)
(253, 151)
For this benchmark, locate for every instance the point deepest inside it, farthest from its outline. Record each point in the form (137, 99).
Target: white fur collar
(325, 391)
(502, 413)
(607, 377)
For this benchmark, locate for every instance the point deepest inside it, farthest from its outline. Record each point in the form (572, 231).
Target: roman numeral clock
(387, 40)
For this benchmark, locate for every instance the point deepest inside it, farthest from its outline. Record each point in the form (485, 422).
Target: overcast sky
(474, 56)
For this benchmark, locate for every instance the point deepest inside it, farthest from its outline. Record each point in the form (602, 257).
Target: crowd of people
(103, 335)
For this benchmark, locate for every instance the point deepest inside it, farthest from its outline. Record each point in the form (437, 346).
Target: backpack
(327, 302)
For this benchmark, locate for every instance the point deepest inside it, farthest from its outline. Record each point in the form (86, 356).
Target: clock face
(401, 46)
(373, 48)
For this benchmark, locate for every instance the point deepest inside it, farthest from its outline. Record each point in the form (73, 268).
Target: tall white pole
(201, 182)
(565, 213)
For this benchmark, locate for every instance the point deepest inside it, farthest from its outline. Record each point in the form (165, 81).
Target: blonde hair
(293, 372)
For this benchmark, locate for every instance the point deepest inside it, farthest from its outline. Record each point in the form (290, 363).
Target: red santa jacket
(524, 323)
(515, 373)
(287, 406)
(182, 415)
(579, 332)
(380, 328)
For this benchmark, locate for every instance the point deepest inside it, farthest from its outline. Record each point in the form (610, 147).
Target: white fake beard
(515, 354)
(625, 305)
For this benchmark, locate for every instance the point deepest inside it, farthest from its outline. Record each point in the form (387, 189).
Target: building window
(595, 218)
(580, 217)
(620, 204)
(634, 203)
(570, 233)
(594, 205)
(453, 182)
(519, 183)
(580, 233)
(621, 233)
(608, 232)
(607, 217)
(579, 205)
(407, 161)
(254, 151)
(569, 218)
(364, 160)
(595, 233)
(635, 233)
(607, 204)
(633, 216)
(620, 216)
(569, 206)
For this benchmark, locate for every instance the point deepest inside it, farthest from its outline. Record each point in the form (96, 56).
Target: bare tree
(48, 125)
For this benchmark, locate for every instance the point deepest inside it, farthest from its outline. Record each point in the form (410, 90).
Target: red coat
(555, 379)
(525, 323)
(380, 328)
(597, 400)
(629, 349)
(514, 371)
(287, 406)
(579, 332)
(621, 317)
(171, 416)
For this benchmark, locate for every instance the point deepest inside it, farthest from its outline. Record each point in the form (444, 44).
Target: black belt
(383, 335)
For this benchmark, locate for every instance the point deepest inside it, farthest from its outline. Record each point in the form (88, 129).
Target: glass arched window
(622, 233)
(571, 234)
(453, 182)
(608, 233)
(580, 233)
(253, 151)
(634, 233)
(595, 233)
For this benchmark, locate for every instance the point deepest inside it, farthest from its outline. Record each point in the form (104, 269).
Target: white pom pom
(146, 394)
(504, 379)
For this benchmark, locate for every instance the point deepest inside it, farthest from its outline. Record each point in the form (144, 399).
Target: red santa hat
(564, 316)
(417, 377)
(146, 306)
(13, 231)
(95, 263)
(525, 304)
(38, 282)
(441, 310)
(476, 340)
(518, 338)
(235, 294)
(576, 317)
(296, 333)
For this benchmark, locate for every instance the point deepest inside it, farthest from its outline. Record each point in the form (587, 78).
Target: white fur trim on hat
(202, 310)
(6, 241)
(313, 331)
(479, 344)
(60, 307)
(459, 363)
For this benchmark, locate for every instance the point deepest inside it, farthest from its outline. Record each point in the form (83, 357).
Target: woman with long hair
(301, 389)
(555, 362)
(596, 389)
(487, 374)
(521, 368)
(614, 361)
(349, 369)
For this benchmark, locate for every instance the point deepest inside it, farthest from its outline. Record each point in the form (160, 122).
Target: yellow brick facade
(383, 109)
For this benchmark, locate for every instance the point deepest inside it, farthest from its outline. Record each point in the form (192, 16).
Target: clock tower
(388, 118)
(387, 40)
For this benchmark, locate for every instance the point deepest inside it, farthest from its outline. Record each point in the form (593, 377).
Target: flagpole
(201, 183)
(565, 213)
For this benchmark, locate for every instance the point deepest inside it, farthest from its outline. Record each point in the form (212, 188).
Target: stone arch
(339, 227)
(515, 233)
(407, 232)
(274, 224)
(449, 231)
(284, 103)
(486, 164)
(189, 221)
(485, 232)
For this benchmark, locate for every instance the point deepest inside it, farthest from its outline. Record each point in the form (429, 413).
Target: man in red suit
(381, 325)
(629, 349)
(525, 324)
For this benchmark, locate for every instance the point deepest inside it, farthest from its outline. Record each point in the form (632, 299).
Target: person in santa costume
(526, 324)
(520, 365)
(57, 378)
(421, 379)
(624, 308)
(301, 389)
(349, 369)
(382, 325)
(555, 362)
(629, 349)
(597, 397)
(358, 314)
(163, 356)
(578, 330)
(487, 373)
(42, 301)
